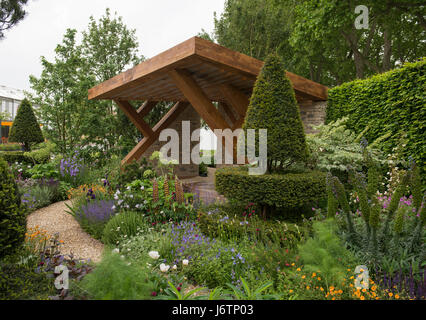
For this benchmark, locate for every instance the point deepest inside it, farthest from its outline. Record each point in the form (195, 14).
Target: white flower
(142, 188)
(116, 250)
(122, 257)
(120, 202)
(164, 268)
(128, 188)
(154, 254)
(185, 262)
(113, 208)
(174, 267)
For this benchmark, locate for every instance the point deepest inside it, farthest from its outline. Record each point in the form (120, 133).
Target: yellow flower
(319, 278)
(291, 291)
(314, 275)
(298, 269)
(373, 288)
(321, 289)
(390, 294)
(292, 264)
(308, 287)
(331, 288)
(303, 277)
(362, 297)
(396, 296)
(364, 290)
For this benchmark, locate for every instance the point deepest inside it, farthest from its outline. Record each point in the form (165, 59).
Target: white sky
(159, 24)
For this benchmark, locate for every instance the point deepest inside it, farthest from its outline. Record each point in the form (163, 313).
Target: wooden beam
(198, 99)
(164, 123)
(132, 114)
(228, 112)
(146, 108)
(235, 98)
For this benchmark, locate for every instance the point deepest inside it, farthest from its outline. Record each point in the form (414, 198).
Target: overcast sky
(159, 24)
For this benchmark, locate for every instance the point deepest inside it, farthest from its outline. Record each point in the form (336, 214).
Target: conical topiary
(273, 106)
(12, 214)
(25, 128)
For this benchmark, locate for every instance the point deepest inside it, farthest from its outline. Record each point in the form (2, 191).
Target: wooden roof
(213, 67)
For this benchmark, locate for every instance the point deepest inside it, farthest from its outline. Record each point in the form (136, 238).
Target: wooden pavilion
(194, 73)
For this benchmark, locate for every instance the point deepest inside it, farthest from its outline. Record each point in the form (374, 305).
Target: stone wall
(181, 170)
(312, 113)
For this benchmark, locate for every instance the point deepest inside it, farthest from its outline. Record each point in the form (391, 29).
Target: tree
(11, 12)
(273, 106)
(25, 128)
(108, 47)
(61, 94)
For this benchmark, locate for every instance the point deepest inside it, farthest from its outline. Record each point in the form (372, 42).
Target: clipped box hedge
(390, 102)
(291, 190)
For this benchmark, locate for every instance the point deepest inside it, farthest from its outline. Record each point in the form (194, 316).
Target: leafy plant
(251, 294)
(124, 224)
(173, 293)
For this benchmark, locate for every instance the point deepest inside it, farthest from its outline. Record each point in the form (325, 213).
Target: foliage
(122, 225)
(106, 49)
(202, 170)
(386, 232)
(42, 154)
(326, 252)
(127, 173)
(11, 12)
(173, 293)
(47, 171)
(10, 147)
(222, 223)
(334, 147)
(25, 128)
(116, 279)
(324, 37)
(292, 190)
(392, 102)
(12, 213)
(250, 294)
(273, 107)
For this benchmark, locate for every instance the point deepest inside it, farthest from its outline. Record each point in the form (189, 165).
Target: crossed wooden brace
(200, 102)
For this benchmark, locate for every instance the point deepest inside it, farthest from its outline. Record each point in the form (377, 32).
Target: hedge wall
(390, 102)
(291, 190)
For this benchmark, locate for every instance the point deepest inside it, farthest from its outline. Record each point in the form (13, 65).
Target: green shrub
(10, 147)
(202, 170)
(325, 252)
(115, 279)
(12, 213)
(25, 128)
(292, 190)
(18, 282)
(122, 225)
(387, 103)
(15, 156)
(41, 155)
(273, 106)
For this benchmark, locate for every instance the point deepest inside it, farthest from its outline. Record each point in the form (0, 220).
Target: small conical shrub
(25, 128)
(12, 214)
(273, 106)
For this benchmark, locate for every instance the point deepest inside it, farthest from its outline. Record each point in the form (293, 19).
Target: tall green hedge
(291, 190)
(392, 102)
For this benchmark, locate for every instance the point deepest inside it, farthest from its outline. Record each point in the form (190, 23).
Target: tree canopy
(11, 12)
(317, 39)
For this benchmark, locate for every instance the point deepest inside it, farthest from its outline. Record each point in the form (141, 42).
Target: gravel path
(54, 219)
